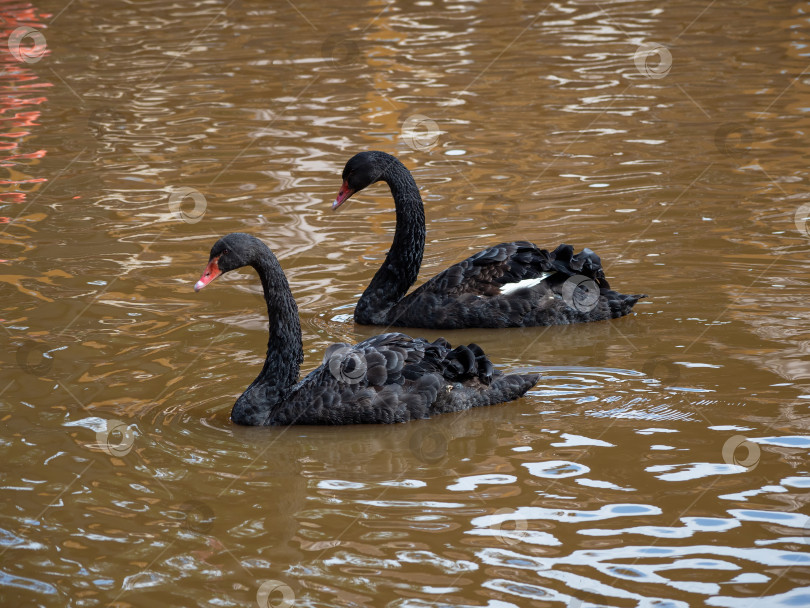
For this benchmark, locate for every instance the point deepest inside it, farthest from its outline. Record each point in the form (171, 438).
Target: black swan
(509, 285)
(387, 378)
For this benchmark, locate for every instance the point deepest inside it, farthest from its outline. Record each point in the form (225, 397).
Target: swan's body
(387, 378)
(509, 285)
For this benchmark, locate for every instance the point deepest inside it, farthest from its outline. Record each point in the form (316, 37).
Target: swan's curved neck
(401, 266)
(285, 351)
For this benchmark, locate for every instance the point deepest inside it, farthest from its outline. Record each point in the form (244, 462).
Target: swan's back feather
(511, 285)
(394, 378)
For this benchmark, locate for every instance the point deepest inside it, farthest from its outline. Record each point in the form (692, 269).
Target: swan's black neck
(285, 351)
(401, 266)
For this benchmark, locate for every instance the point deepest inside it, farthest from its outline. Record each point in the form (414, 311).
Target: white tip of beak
(335, 204)
(199, 285)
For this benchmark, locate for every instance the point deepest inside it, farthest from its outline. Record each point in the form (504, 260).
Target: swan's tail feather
(621, 304)
(508, 387)
(587, 264)
(504, 387)
(466, 362)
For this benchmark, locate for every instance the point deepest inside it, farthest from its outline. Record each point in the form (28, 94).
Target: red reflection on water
(21, 93)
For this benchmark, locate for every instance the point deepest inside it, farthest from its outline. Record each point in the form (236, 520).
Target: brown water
(661, 460)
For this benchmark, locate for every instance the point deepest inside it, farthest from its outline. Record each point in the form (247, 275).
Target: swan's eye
(224, 252)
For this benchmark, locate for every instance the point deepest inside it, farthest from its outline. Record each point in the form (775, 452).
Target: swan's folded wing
(508, 267)
(393, 378)
(397, 359)
(488, 271)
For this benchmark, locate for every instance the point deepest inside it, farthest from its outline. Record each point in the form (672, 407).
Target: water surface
(660, 461)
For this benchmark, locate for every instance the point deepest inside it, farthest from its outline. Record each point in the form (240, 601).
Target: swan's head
(228, 253)
(361, 171)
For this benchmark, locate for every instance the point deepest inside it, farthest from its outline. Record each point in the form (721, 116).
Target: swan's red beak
(343, 195)
(212, 271)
